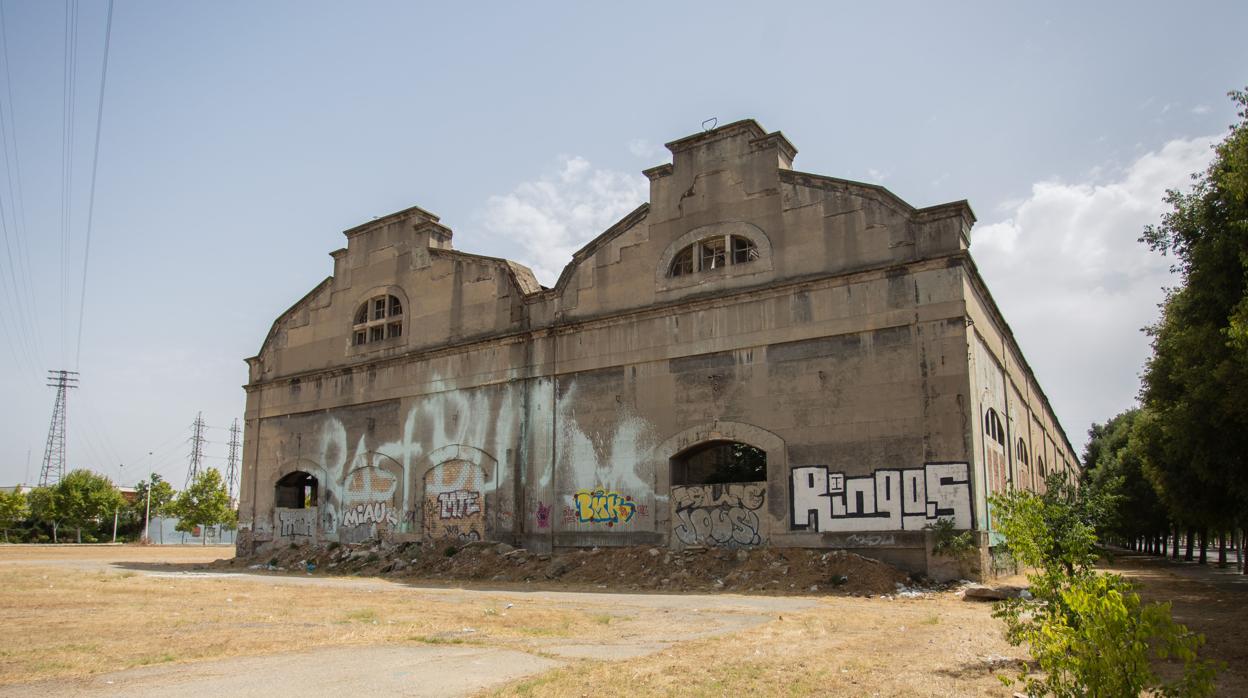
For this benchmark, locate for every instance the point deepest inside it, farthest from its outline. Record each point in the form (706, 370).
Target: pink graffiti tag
(543, 515)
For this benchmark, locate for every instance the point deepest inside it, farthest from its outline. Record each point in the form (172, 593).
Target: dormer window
(377, 319)
(713, 253)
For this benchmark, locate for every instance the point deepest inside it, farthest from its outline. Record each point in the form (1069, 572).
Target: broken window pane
(712, 253)
(396, 329)
(743, 250)
(361, 315)
(396, 308)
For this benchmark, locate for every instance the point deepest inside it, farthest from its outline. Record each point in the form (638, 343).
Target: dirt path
(213, 633)
(1206, 599)
(378, 671)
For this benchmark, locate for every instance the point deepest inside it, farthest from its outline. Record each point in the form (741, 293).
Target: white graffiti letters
(458, 504)
(722, 515)
(296, 522)
(372, 513)
(888, 500)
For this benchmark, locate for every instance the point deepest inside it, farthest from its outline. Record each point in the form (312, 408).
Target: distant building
(757, 356)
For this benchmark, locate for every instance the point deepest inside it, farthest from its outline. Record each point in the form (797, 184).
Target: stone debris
(752, 570)
(983, 592)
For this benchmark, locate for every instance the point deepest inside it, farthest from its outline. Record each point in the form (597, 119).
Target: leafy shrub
(1089, 633)
(949, 542)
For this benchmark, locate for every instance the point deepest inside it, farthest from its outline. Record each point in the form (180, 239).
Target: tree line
(1175, 470)
(86, 507)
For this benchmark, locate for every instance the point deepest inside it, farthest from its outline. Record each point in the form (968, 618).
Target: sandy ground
(103, 620)
(1205, 598)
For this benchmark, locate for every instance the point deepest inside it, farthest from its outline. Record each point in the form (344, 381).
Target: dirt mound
(776, 570)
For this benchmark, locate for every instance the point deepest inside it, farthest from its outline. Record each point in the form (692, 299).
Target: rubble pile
(754, 570)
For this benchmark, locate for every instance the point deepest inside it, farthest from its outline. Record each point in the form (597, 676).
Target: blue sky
(239, 139)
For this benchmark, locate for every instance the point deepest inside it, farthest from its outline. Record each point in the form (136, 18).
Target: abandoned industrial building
(756, 356)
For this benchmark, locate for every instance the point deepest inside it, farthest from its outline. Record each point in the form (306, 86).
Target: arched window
(1043, 473)
(718, 462)
(1023, 456)
(713, 253)
(296, 490)
(377, 318)
(993, 428)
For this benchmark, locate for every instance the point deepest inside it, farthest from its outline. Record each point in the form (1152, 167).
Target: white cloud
(1201, 109)
(643, 148)
(554, 215)
(875, 176)
(1076, 286)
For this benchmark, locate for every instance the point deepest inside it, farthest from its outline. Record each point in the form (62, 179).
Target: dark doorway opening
(296, 491)
(717, 462)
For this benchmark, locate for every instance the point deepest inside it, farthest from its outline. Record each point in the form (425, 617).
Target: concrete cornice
(561, 327)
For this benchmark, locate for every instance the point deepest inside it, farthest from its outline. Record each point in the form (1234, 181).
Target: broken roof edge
(628, 221)
(523, 277)
(410, 212)
(960, 206)
(759, 137)
(289, 311)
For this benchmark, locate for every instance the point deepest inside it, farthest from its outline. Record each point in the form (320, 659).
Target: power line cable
(95, 163)
(8, 125)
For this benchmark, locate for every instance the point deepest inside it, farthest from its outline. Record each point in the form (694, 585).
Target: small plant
(951, 543)
(372, 557)
(450, 551)
(272, 562)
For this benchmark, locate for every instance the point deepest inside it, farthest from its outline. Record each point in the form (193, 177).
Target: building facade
(756, 356)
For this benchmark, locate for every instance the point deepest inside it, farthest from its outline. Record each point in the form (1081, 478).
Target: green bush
(1089, 633)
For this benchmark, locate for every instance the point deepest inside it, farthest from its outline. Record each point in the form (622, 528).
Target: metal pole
(114, 524)
(147, 516)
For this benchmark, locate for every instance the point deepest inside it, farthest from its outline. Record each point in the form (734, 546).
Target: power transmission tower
(197, 449)
(231, 471)
(54, 455)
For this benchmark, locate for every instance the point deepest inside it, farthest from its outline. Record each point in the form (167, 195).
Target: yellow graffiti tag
(601, 506)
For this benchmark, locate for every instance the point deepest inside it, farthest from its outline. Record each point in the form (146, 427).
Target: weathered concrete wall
(848, 348)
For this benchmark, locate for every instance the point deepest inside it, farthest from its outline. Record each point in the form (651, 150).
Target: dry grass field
(81, 611)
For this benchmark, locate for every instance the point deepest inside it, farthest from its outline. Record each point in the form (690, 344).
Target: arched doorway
(454, 506)
(295, 498)
(717, 493)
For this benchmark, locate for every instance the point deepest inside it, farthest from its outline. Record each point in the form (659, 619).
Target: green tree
(204, 502)
(1114, 473)
(83, 498)
(1195, 386)
(162, 496)
(14, 509)
(43, 507)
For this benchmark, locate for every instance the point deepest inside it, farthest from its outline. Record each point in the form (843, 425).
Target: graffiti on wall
(718, 515)
(543, 515)
(603, 506)
(368, 498)
(454, 505)
(296, 522)
(370, 514)
(459, 504)
(886, 500)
